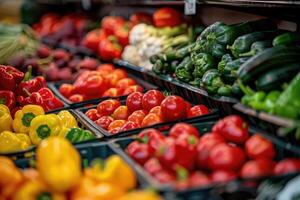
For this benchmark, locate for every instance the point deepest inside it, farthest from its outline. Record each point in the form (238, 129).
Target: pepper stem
(28, 74)
(27, 92)
(247, 54)
(43, 131)
(27, 118)
(44, 196)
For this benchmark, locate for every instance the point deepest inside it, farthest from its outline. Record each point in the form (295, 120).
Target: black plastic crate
(81, 123)
(213, 115)
(211, 191)
(88, 152)
(55, 88)
(193, 94)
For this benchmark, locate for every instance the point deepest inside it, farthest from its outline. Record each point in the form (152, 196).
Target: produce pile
(30, 125)
(185, 158)
(106, 81)
(18, 89)
(142, 110)
(58, 175)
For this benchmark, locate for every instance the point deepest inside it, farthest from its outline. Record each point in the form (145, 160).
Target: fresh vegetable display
(18, 89)
(186, 158)
(142, 110)
(30, 125)
(106, 81)
(58, 175)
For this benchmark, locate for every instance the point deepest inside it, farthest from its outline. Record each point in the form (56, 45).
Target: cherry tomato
(151, 119)
(198, 110)
(129, 126)
(167, 17)
(205, 145)
(156, 110)
(134, 101)
(76, 98)
(257, 168)
(152, 98)
(183, 128)
(197, 179)
(115, 126)
(66, 89)
(132, 88)
(92, 114)
(224, 156)
(107, 107)
(152, 137)
(112, 92)
(221, 176)
(259, 147)
(104, 121)
(173, 108)
(137, 116)
(288, 165)
(125, 82)
(121, 113)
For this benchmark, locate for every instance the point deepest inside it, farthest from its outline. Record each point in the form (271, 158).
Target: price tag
(86, 4)
(190, 7)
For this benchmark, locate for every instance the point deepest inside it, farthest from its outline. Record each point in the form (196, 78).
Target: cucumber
(274, 78)
(256, 47)
(268, 59)
(287, 39)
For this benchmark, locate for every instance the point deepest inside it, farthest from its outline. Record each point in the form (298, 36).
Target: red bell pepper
(140, 152)
(233, 128)
(32, 85)
(7, 98)
(140, 17)
(167, 17)
(10, 77)
(109, 49)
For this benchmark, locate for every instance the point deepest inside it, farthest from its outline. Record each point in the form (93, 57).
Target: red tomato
(132, 88)
(152, 98)
(115, 126)
(183, 128)
(137, 116)
(156, 110)
(121, 73)
(112, 23)
(221, 176)
(259, 147)
(109, 49)
(76, 98)
(106, 67)
(188, 106)
(152, 166)
(154, 138)
(167, 17)
(125, 83)
(129, 126)
(224, 156)
(140, 17)
(104, 121)
(112, 92)
(151, 119)
(92, 114)
(111, 79)
(197, 179)
(121, 113)
(122, 34)
(288, 165)
(198, 110)
(66, 89)
(257, 168)
(139, 152)
(205, 145)
(134, 101)
(93, 38)
(165, 176)
(107, 107)
(173, 108)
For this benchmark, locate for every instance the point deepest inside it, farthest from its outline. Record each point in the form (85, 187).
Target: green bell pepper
(78, 134)
(212, 81)
(225, 59)
(184, 70)
(257, 47)
(230, 69)
(202, 63)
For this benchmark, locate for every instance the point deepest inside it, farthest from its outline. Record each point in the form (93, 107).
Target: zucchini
(287, 39)
(256, 47)
(274, 78)
(243, 43)
(268, 59)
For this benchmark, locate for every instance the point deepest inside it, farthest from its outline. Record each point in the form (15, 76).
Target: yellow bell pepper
(67, 119)
(140, 195)
(5, 118)
(115, 171)
(24, 138)
(37, 189)
(89, 189)
(10, 142)
(24, 117)
(44, 126)
(63, 132)
(58, 163)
